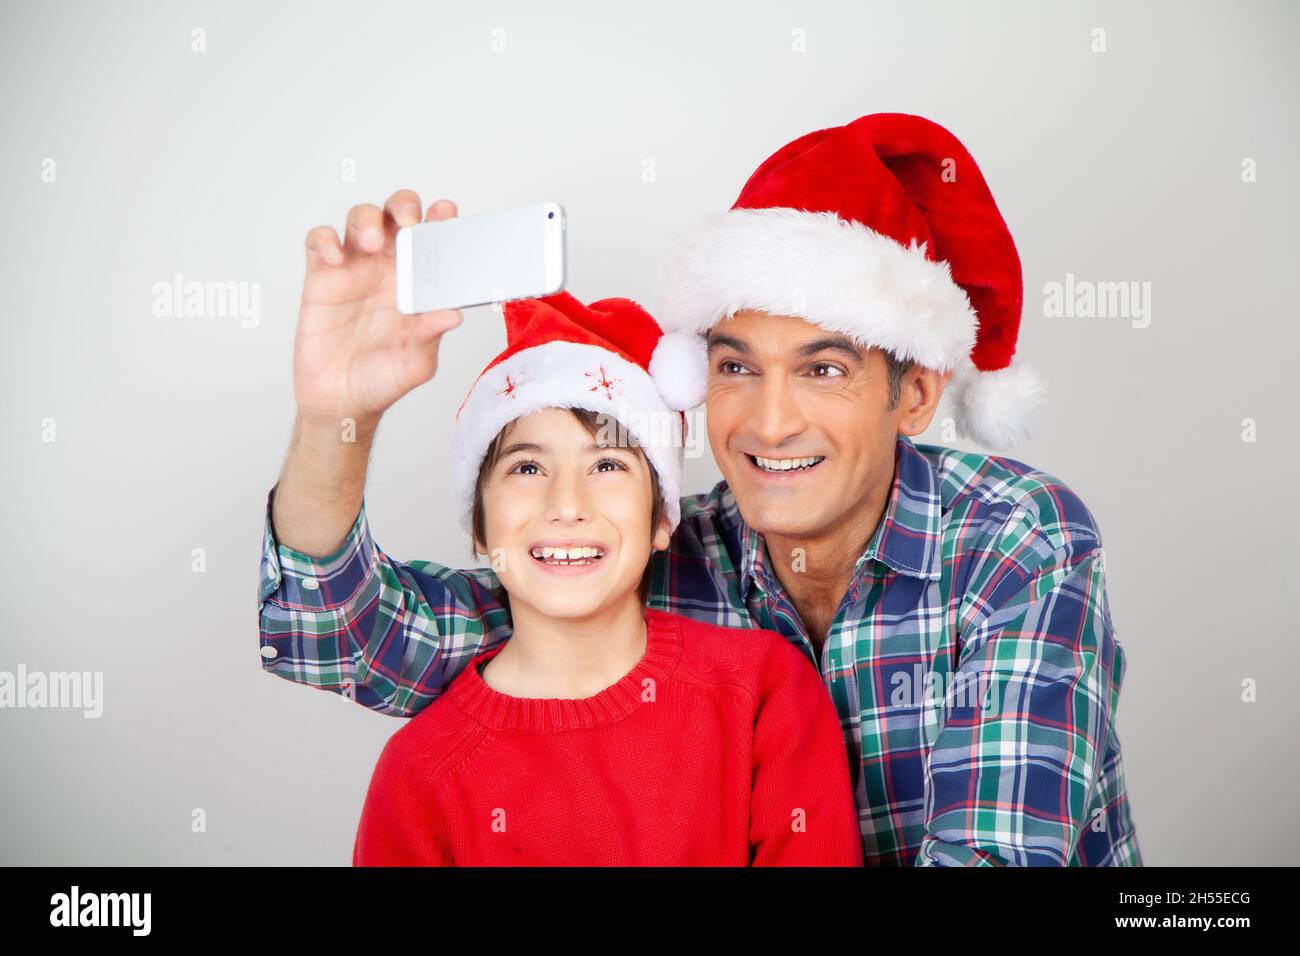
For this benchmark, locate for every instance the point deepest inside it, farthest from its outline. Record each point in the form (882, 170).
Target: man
(954, 603)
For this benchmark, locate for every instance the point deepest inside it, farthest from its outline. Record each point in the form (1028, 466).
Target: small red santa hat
(883, 230)
(610, 356)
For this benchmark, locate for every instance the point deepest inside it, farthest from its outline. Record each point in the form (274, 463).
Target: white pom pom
(998, 409)
(680, 369)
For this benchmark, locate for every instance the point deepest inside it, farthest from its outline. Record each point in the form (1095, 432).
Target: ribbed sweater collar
(547, 715)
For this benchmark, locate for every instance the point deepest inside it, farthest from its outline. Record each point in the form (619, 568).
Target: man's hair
(897, 369)
(593, 422)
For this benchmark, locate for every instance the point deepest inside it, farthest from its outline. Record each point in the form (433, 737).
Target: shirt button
(310, 584)
(268, 651)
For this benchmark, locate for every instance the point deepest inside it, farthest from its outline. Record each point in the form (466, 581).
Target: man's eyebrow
(835, 343)
(720, 341)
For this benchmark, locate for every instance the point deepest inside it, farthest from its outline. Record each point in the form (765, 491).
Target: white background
(1115, 166)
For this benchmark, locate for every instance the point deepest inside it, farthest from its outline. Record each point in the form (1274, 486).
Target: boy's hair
(593, 422)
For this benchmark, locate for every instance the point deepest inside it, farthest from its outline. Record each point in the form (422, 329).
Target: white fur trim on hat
(567, 375)
(998, 409)
(680, 369)
(834, 272)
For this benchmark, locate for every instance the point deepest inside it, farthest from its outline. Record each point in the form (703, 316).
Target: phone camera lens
(550, 215)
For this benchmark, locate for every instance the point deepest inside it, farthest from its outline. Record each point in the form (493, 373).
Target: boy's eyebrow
(522, 446)
(535, 448)
(613, 447)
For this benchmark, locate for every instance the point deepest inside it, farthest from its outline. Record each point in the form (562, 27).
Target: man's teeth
(786, 464)
(567, 554)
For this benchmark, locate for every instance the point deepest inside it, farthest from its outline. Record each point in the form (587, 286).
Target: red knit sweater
(721, 747)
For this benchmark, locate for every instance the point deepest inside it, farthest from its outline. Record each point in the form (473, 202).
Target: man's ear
(922, 389)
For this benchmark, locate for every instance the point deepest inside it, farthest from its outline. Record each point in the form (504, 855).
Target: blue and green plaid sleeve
(389, 635)
(1025, 766)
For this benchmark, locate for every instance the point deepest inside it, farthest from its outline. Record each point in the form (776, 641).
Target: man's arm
(335, 612)
(1013, 774)
(391, 636)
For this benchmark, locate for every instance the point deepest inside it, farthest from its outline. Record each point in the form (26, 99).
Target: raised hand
(354, 353)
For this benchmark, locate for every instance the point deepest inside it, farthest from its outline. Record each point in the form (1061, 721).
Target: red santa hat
(885, 231)
(610, 356)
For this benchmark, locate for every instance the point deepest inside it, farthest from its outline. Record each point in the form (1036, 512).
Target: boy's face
(555, 487)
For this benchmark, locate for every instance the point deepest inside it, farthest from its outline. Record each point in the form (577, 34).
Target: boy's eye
(533, 468)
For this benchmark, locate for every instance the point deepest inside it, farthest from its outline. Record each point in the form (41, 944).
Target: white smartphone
(482, 258)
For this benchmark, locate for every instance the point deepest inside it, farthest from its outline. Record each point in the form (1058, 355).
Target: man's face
(799, 422)
(567, 519)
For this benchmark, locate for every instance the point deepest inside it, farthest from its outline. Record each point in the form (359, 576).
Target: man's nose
(776, 415)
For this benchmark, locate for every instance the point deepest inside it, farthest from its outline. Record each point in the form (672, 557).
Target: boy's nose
(567, 502)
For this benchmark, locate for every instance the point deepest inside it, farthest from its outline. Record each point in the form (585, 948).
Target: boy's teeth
(565, 554)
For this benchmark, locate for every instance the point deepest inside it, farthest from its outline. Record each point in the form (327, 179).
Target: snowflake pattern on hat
(603, 381)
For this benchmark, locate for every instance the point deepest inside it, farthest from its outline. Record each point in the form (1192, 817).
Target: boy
(602, 732)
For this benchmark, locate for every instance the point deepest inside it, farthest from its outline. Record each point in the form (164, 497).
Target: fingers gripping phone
(486, 257)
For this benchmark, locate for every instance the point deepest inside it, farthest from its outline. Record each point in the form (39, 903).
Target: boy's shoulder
(741, 657)
(436, 737)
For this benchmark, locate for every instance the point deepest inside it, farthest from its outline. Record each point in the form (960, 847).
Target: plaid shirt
(972, 661)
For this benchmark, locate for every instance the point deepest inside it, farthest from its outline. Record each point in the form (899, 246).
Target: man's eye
(729, 367)
(831, 371)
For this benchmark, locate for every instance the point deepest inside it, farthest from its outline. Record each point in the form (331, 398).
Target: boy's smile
(568, 556)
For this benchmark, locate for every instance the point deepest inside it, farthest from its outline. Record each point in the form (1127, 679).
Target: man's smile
(784, 467)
